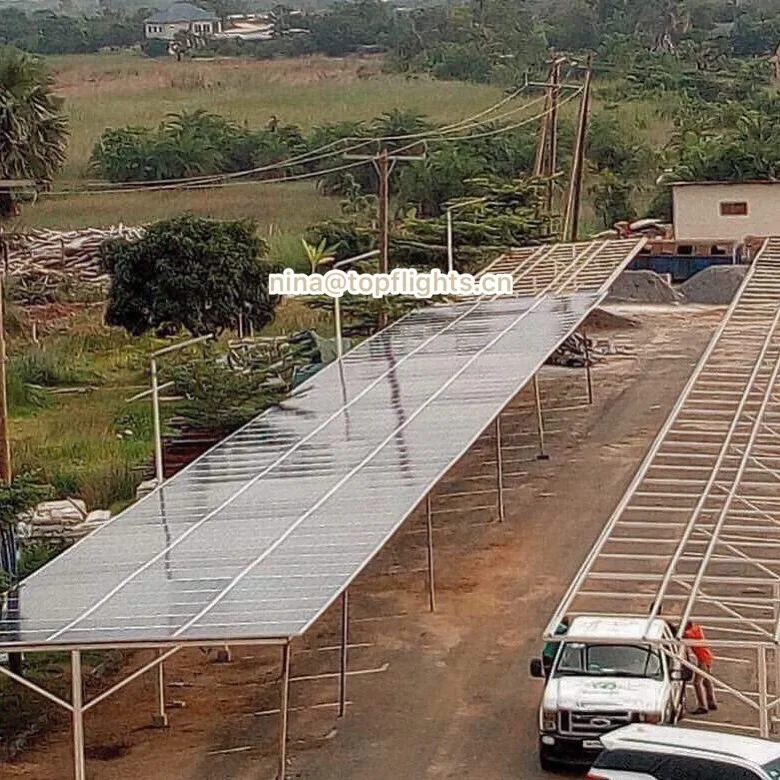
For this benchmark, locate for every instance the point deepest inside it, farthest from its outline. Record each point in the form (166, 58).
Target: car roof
(606, 628)
(661, 738)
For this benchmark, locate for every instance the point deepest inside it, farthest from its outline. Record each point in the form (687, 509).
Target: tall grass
(291, 206)
(112, 91)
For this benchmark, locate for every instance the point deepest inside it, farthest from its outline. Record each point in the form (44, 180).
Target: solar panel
(257, 537)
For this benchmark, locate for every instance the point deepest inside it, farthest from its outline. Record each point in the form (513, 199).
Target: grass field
(114, 90)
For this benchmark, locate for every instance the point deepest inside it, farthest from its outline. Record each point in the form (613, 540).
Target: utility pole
(5, 441)
(383, 171)
(572, 221)
(384, 162)
(555, 91)
(541, 144)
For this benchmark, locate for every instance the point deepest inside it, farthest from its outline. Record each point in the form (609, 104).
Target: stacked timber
(40, 261)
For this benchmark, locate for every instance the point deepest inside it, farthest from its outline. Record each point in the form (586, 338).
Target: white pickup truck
(596, 686)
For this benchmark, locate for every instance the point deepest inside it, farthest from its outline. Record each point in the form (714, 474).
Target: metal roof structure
(256, 538)
(697, 534)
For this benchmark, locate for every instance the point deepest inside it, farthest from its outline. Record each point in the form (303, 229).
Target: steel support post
(284, 711)
(539, 419)
(763, 693)
(160, 718)
(337, 319)
(499, 471)
(77, 686)
(776, 649)
(588, 374)
(158, 456)
(431, 580)
(344, 644)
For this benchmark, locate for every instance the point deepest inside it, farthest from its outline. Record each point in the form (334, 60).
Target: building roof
(722, 183)
(181, 12)
(660, 738)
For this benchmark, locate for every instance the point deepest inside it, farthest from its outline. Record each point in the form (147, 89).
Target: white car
(642, 752)
(595, 686)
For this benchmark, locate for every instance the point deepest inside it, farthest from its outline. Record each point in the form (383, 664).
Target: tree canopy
(33, 127)
(192, 273)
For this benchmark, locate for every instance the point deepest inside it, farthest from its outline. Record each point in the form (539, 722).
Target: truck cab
(607, 673)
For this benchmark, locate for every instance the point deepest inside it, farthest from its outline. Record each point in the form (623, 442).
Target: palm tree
(33, 128)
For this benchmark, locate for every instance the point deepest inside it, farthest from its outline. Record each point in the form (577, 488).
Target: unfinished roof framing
(697, 534)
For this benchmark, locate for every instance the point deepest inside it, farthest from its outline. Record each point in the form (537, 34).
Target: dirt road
(443, 695)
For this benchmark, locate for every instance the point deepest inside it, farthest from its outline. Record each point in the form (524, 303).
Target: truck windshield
(609, 661)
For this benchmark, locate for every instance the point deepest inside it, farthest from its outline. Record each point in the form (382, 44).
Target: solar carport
(253, 541)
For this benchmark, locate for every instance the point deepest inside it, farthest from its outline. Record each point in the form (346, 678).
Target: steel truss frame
(549, 270)
(697, 533)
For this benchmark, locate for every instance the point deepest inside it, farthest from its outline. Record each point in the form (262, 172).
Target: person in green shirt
(551, 648)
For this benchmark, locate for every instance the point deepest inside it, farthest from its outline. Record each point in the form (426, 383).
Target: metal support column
(431, 580)
(763, 694)
(284, 711)
(499, 471)
(344, 645)
(77, 686)
(776, 651)
(160, 718)
(539, 419)
(158, 456)
(588, 375)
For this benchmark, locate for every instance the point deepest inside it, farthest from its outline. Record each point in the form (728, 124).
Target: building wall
(714, 211)
(166, 32)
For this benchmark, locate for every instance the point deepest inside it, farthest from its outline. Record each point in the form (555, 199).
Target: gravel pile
(716, 284)
(643, 287)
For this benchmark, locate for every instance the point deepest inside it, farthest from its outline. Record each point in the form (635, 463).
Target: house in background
(181, 17)
(725, 211)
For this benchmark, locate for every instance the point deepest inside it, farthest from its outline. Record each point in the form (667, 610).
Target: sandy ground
(432, 695)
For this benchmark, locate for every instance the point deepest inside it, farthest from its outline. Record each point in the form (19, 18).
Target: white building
(181, 17)
(725, 211)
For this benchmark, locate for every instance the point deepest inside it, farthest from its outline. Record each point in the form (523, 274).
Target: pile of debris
(40, 261)
(577, 351)
(66, 520)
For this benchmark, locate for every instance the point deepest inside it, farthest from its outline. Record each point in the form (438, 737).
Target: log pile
(41, 261)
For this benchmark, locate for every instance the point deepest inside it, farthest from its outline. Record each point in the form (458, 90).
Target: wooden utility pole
(384, 162)
(5, 441)
(572, 221)
(552, 169)
(383, 172)
(541, 144)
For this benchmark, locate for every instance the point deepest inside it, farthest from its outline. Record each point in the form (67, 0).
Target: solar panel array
(255, 539)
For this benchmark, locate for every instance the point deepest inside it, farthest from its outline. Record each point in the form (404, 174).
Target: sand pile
(601, 319)
(643, 287)
(716, 284)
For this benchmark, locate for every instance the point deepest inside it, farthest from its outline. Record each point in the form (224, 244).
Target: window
(734, 209)
(773, 769)
(676, 767)
(609, 661)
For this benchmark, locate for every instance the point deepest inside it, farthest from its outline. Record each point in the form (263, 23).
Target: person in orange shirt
(705, 692)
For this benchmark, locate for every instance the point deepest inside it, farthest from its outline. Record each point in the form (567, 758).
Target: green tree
(33, 128)
(189, 272)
